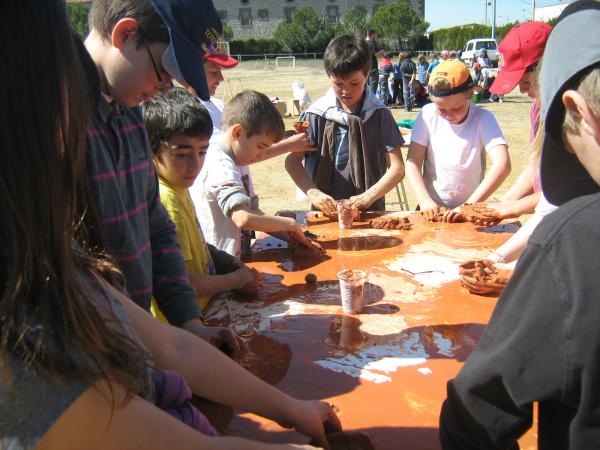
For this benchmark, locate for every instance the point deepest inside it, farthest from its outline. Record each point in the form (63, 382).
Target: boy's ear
(236, 130)
(124, 31)
(580, 110)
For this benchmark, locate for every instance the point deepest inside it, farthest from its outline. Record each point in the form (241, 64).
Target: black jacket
(542, 344)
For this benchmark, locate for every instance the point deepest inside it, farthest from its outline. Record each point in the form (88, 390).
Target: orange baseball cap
(456, 73)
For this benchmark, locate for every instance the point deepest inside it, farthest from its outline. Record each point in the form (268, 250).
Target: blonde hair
(440, 84)
(589, 88)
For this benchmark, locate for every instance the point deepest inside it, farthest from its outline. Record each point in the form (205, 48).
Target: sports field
(277, 191)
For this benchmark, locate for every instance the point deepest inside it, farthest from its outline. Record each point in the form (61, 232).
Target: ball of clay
(310, 278)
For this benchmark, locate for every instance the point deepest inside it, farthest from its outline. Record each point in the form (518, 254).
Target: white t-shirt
(217, 191)
(214, 106)
(455, 161)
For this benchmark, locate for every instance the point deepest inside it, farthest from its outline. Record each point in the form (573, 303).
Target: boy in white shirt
(446, 163)
(226, 204)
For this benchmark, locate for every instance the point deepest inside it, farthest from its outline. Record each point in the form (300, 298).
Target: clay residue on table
(397, 355)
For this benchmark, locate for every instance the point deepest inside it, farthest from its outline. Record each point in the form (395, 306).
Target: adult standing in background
(375, 51)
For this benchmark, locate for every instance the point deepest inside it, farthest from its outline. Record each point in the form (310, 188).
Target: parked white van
(471, 49)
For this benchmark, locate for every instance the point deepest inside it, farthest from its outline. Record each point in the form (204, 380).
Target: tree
(78, 16)
(400, 22)
(354, 22)
(306, 32)
(227, 31)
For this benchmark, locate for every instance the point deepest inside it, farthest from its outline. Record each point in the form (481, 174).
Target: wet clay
(482, 277)
(387, 369)
(472, 215)
(301, 126)
(310, 278)
(390, 222)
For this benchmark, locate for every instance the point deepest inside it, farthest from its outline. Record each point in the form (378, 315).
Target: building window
(333, 12)
(244, 2)
(287, 13)
(289, 1)
(246, 17)
(223, 14)
(263, 14)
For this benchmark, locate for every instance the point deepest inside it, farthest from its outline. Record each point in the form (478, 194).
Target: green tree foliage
(227, 31)
(78, 16)
(306, 32)
(399, 21)
(254, 46)
(354, 22)
(455, 38)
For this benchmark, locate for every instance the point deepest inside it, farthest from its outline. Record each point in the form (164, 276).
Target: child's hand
(362, 201)
(250, 280)
(322, 201)
(500, 210)
(297, 143)
(301, 238)
(314, 418)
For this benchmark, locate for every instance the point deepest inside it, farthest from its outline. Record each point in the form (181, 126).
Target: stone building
(259, 18)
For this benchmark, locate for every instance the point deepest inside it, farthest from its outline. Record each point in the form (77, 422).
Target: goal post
(284, 58)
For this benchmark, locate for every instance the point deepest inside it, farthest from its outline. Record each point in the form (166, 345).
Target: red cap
(522, 46)
(220, 59)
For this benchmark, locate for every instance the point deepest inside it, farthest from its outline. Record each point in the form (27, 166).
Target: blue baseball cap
(194, 26)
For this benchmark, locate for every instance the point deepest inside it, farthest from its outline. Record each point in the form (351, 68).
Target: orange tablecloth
(385, 369)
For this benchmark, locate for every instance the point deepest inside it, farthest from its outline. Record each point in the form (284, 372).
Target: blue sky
(445, 13)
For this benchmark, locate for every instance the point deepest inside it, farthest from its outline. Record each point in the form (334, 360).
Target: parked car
(469, 52)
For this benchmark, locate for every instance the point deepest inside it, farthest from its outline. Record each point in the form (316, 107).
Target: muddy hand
(253, 280)
(431, 214)
(500, 210)
(225, 339)
(453, 216)
(301, 238)
(322, 201)
(315, 419)
(483, 287)
(362, 201)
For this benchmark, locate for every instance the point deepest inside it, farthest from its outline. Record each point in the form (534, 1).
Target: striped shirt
(139, 234)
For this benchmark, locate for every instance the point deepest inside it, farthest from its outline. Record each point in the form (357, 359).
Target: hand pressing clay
(473, 214)
(301, 126)
(434, 214)
(482, 277)
(391, 222)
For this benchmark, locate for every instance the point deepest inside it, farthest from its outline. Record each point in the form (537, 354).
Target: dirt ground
(274, 187)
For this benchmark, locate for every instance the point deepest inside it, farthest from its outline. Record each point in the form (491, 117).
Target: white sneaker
(501, 100)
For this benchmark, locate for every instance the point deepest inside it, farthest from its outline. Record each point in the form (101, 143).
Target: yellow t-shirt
(180, 207)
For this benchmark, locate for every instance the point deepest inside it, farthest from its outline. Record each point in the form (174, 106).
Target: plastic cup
(345, 214)
(352, 284)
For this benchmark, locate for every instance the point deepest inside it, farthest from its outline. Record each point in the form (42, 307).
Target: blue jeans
(384, 91)
(409, 94)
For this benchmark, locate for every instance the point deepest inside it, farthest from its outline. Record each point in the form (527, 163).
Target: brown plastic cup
(352, 284)
(345, 211)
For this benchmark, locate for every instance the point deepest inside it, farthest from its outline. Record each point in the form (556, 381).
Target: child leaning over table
(358, 142)
(448, 142)
(250, 126)
(179, 129)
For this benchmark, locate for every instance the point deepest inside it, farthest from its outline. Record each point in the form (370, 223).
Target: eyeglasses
(161, 85)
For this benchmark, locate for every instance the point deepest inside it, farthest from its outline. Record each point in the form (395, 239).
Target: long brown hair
(46, 316)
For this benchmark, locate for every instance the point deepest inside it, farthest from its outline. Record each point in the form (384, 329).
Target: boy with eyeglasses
(136, 55)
